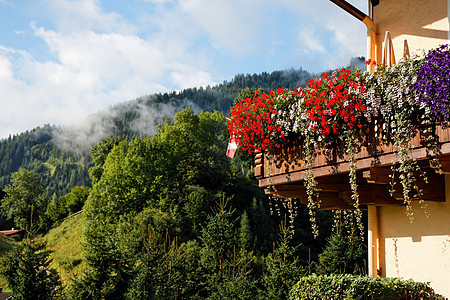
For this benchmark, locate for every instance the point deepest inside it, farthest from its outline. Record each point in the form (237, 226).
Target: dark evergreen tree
(245, 233)
(218, 236)
(28, 273)
(229, 267)
(345, 252)
(283, 268)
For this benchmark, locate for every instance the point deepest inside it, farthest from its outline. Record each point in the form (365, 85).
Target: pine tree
(28, 273)
(283, 268)
(345, 252)
(245, 233)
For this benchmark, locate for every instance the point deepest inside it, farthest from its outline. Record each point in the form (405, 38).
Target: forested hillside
(61, 154)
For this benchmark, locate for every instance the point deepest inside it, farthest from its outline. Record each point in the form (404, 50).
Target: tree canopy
(26, 200)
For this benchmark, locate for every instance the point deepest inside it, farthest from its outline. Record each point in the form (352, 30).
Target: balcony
(389, 114)
(282, 173)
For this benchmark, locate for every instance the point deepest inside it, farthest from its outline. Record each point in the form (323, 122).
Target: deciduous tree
(26, 200)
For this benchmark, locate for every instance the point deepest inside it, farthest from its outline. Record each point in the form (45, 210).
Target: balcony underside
(282, 175)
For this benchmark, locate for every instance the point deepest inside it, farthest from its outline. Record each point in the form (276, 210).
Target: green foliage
(56, 209)
(245, 233)
(282, 268)
(154, 185)
(198, 200)
(360, 287)
(99, 154)
(28, 273)
(151, 231)
(6, 244)
(26, 200)
(68, 204)
(108, 263)
(228, 267)
(218, 236)
(74, 201)
(234, 281)
(157, 273)
(264, 228)
(4, 223)
(345, 252)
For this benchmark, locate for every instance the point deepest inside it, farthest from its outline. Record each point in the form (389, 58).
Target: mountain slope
(61, 154)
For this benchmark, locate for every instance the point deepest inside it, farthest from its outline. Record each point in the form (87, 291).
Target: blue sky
(61, 60)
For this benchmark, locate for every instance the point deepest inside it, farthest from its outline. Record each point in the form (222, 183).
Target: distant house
(12, 233)
(397, 248)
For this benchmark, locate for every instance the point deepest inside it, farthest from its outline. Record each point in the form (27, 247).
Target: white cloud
(327, 29)
(81, 15)
(159, 2)
(6, 72)
(99, 58)
(309, 40)
(104, 60)
(90, 70)
(230, 24)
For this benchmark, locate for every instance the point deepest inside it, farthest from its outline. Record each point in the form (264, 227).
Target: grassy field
(64, 242)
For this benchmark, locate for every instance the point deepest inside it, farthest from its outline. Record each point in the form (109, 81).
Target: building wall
(423, 23)
(419, 250)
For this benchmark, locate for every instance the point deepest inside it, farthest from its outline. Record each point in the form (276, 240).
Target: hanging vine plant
(405, 116)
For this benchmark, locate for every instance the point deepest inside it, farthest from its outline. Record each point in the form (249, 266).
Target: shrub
(337, 287)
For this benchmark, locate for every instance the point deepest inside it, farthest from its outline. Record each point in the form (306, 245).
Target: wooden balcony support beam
(338, 195)
(378, 175)
(283, 173)
(363, 164)
(259, 165)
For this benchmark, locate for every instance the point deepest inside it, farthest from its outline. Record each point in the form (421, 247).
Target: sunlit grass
(64, 242)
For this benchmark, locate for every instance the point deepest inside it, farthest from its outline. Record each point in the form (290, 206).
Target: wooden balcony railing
(282, 173)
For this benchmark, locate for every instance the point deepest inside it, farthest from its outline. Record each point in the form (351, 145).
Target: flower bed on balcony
(348, 113)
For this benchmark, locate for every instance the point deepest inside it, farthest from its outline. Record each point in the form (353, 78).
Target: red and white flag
(232, 146)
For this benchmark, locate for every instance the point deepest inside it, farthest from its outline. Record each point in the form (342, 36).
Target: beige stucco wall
(418, 250)
(423, 23)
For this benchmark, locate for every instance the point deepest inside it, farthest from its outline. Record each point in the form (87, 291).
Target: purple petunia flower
(433, 84)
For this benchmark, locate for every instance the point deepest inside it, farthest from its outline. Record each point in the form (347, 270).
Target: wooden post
(372, 240)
